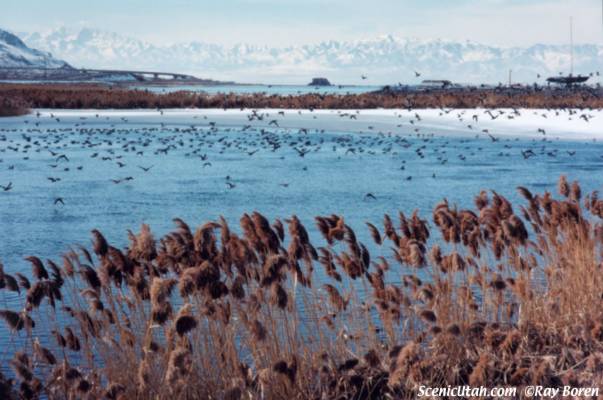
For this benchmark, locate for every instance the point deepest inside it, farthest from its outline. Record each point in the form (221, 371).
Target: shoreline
(95, 96)
(526, 123)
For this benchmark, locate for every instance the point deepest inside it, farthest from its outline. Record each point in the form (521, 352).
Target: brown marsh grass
(97, 96)
(12, 106)
(498, 295)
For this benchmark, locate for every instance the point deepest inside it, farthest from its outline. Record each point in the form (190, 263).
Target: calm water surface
(199, 172)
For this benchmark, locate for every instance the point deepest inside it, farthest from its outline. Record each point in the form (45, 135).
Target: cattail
(280, 230)
(498, 283)
(68, 266)
(279, 295)
(493, 337)
(234, 393)
(161, 312)
(435, 330)
(185, 322)
(73, 343)
(12, 319)
(91, 277)
(525, 193)
(575, 192)
(563, 186)
(481, 201)
(237, 289)
(416, 256)
(457, 262)
(100, 244)
(11, 283)
(405, 357)
(72, 374)
(83, 386)
(280, 367)
(61, 342)
(217, 289)
(348, 365)
(44, 354)
(178, 365)
(36, 293)
(428, 316)
(114, 391)
(258, 331)
(511, 342)
(480, 373)
(38, 270)
(454, 330)
(335, 298)
(328, 321)
(21, 370)
(374, 233)
(436, 255)
(372, 358)
(161, 290)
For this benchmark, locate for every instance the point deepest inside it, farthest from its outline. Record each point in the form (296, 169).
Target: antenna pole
(571, 46)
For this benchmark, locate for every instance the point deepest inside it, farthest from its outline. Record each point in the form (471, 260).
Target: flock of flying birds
(118, 143)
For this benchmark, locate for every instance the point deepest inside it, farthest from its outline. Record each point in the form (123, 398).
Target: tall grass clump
(10, 107)
(498, 295)
(98, 96)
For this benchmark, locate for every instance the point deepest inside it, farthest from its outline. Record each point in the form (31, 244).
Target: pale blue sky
(288, 22)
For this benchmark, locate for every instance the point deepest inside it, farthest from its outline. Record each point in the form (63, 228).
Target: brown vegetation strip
(505, 299)
(78, 96)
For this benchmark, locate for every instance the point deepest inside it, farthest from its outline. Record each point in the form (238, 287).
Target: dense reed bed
(77, 96)
(10, 106)
(497, 295)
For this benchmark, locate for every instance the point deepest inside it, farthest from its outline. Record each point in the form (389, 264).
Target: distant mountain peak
(15, 53)
(386, 59)
(11, 40)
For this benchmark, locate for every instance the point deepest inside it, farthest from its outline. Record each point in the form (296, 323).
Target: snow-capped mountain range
(14, 53)
(384, 60)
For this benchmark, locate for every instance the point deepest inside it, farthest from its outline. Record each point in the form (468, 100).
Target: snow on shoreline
(528, 123)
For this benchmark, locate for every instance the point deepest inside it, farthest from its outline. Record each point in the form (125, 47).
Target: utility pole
(510, 76)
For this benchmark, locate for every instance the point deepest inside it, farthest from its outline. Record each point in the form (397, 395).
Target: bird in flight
(145, 169)
(370, 196)
(7, 187)
(527, 153)
(417, 74)
(231, 185)
(59, 200)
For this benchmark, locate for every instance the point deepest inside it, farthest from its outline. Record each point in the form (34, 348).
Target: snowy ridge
(385, 59)
(14, 53)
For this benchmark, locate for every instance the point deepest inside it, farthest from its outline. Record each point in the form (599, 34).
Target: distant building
(320, 82)
(436, 83)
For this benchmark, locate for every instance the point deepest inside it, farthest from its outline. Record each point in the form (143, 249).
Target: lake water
(194, 159)
(283, 90)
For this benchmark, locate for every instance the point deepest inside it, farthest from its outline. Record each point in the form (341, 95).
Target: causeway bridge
(74, 72)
